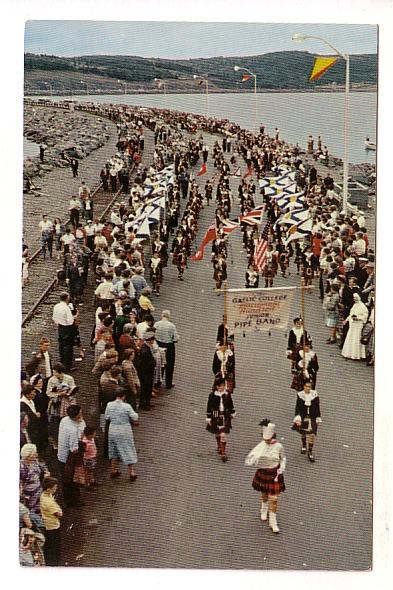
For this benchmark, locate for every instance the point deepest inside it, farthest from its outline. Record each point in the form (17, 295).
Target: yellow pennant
(321, 65)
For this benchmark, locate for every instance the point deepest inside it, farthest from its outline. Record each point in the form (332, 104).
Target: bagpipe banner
(258, 310)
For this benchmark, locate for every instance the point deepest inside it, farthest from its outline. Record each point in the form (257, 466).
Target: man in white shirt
(115, 217)
(83, 191)
(359, 245)
(67, 239)
(70, 432)
(166, 336)
(63, 318)
(100, 241)
(97, 226)
(90, 233)
(104, 291)
(46, 228)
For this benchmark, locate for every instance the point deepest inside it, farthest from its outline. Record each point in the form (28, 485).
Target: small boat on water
(370, 145)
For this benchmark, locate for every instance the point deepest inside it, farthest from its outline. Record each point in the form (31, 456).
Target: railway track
(49, 294)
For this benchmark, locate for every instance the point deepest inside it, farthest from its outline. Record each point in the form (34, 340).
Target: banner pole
(225, 313)
(304, 327)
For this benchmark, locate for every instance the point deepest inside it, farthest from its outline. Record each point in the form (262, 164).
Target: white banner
(256, 310)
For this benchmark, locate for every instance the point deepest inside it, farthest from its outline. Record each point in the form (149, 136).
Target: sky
(184, 40)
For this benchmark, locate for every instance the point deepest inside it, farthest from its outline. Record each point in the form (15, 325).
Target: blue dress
(120, 437)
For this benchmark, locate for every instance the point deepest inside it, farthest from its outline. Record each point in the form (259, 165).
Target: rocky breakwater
(65, 135)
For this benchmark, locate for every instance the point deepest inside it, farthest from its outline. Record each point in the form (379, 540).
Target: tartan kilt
(216, 427)
(264, 482)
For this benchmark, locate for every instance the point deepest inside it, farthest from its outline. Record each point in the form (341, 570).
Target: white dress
(353, 349)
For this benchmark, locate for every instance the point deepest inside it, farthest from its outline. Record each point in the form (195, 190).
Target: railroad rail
(54, 282)
(37, 252)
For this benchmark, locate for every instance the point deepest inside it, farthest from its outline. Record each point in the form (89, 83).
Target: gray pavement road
(189, 510)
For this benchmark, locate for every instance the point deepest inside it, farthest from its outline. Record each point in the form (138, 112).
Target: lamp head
(195, 76)
(299, 37)
(236, 68)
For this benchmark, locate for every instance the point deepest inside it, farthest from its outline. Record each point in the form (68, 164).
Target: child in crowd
(51, 514)
(89, 455)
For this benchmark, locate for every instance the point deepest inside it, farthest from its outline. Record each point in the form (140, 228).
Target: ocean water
(297, 115)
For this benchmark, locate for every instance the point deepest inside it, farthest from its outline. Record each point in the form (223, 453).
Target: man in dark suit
(145, 367)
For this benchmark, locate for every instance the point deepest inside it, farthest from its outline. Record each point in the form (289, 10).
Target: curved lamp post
(205, 79)
(237, 68)
(124, 84)
(299, 38)
(50, 87)
(87, 86)
(163, 84)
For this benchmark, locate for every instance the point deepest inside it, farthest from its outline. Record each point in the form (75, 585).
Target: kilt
(264, 482)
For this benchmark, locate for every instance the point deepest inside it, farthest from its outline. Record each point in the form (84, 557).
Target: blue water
(297, 115)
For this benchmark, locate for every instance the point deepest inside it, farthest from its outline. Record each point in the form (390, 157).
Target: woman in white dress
(353, 349)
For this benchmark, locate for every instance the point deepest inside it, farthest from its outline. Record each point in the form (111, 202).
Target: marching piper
(219, 414)
(307, 419)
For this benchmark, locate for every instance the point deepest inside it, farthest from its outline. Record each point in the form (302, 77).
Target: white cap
(268, 431)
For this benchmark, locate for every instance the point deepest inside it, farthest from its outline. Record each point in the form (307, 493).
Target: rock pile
(66, 134)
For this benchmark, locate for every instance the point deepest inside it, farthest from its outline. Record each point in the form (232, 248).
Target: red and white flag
(248, 172)
(228, 226)
(245, 77)
(263, 242)
(252, 217)
(203, 170)
(209, 236)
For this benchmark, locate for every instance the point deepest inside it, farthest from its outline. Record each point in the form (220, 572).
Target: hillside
(286, 70)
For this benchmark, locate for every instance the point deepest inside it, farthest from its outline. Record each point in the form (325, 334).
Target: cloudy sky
(190, 39)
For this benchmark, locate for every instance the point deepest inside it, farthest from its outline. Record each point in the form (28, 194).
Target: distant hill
(285, 70)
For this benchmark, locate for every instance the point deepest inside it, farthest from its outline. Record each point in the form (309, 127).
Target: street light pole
(299, 37)
(87, 87)
(124, 84)
(237, 68)
(50, 87)
(163, 84)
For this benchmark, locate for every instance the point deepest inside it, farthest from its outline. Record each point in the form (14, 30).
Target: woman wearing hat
(219, 414)
(269, 457)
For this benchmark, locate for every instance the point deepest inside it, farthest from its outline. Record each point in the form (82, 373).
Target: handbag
(366, 332)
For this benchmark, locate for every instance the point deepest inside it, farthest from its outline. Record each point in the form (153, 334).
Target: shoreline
(362, 168)
(111, 91)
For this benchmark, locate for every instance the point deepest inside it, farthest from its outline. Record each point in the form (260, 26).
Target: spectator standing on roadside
(63, 318)
(51, 514)
(74, 167)
(70, 432)
(46, 228)
(74, 209)
(167, 336)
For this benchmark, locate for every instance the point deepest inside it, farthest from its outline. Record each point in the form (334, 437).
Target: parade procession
(198, 305)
